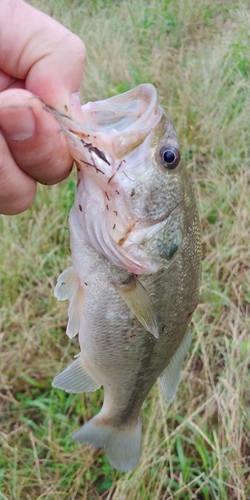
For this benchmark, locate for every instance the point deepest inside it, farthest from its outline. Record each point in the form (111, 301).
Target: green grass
(197, 54)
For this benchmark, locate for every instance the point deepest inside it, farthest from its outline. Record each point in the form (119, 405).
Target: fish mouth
(107, 132)
(125, 120)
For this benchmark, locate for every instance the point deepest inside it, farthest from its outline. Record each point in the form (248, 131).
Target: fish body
(134, 283)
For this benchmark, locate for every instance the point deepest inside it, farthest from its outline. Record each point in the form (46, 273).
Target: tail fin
(121, 444)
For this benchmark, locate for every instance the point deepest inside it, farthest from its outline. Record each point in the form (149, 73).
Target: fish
(136, 264)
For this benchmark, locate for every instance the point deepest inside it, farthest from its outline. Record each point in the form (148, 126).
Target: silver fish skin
(136, 254)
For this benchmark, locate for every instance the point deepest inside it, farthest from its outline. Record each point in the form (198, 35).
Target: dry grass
(198, 56)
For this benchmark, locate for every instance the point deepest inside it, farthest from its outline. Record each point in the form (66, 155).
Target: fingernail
(75, 99)
(75, 106)
(17, 123)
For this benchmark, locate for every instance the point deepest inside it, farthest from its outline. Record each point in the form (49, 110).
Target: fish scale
(132, 288)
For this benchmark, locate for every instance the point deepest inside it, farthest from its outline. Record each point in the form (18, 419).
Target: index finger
(36, 48)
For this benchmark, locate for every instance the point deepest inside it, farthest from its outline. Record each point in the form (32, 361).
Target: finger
(6, 80)
(34, 137)
(17, 189)
(36, 48)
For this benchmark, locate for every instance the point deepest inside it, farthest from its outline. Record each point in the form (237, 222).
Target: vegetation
(197, 54)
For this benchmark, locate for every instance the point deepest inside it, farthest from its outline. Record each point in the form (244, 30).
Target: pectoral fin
(139, 301)
(65, 284)
(170, 377)
(75, 378)
(75, 313)
(67, 287)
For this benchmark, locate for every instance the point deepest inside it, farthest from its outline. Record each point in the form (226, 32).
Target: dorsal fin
(169, 379)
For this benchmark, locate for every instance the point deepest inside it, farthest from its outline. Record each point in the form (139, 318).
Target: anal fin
(75, 378)
(169, 379)
(138, 300)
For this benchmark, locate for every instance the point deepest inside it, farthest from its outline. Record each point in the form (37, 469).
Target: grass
(197, 54)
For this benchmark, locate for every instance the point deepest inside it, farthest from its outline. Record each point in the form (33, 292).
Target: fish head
(132, 188)
(155, 191)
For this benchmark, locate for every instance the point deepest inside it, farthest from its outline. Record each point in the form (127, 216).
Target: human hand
(38, 57)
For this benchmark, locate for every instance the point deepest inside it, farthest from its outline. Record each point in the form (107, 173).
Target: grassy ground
(198, 56)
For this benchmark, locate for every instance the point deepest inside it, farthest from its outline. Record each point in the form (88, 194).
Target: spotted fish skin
(136, 255)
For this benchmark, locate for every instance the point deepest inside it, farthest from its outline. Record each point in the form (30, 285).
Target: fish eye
(170, 157)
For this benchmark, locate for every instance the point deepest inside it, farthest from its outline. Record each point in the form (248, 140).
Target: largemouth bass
(136, 254)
